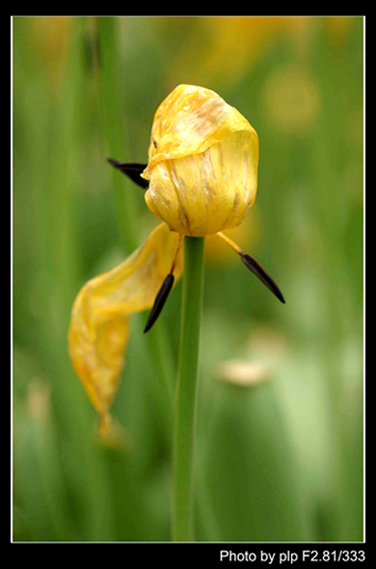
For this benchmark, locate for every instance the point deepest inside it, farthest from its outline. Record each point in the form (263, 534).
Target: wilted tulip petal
(99, 326)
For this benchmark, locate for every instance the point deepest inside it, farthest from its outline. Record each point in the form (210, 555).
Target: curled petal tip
(256, 268)
(160, 301)
(132, 169)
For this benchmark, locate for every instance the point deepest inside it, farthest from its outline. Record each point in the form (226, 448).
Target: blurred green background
(280, 403)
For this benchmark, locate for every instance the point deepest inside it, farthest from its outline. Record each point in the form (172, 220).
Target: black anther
(133, 170)
(254, 266)
(159, 301)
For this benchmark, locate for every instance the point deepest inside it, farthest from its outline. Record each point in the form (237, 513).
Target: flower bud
(203, 159)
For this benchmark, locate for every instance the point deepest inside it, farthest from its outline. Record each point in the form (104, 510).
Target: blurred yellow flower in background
(50, 41)
(233, 44)
(292, 99)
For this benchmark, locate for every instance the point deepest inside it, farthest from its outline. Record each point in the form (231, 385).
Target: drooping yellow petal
(203, 160)
(99, 327)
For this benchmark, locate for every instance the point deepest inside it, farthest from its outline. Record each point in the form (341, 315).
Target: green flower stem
(183, 444)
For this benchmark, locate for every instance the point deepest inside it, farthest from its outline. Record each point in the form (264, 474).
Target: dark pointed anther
(133, 170)
(159, 301)
(254, 266)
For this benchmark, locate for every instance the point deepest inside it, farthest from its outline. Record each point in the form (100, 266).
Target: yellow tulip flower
(201, 179)
(203, 160)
